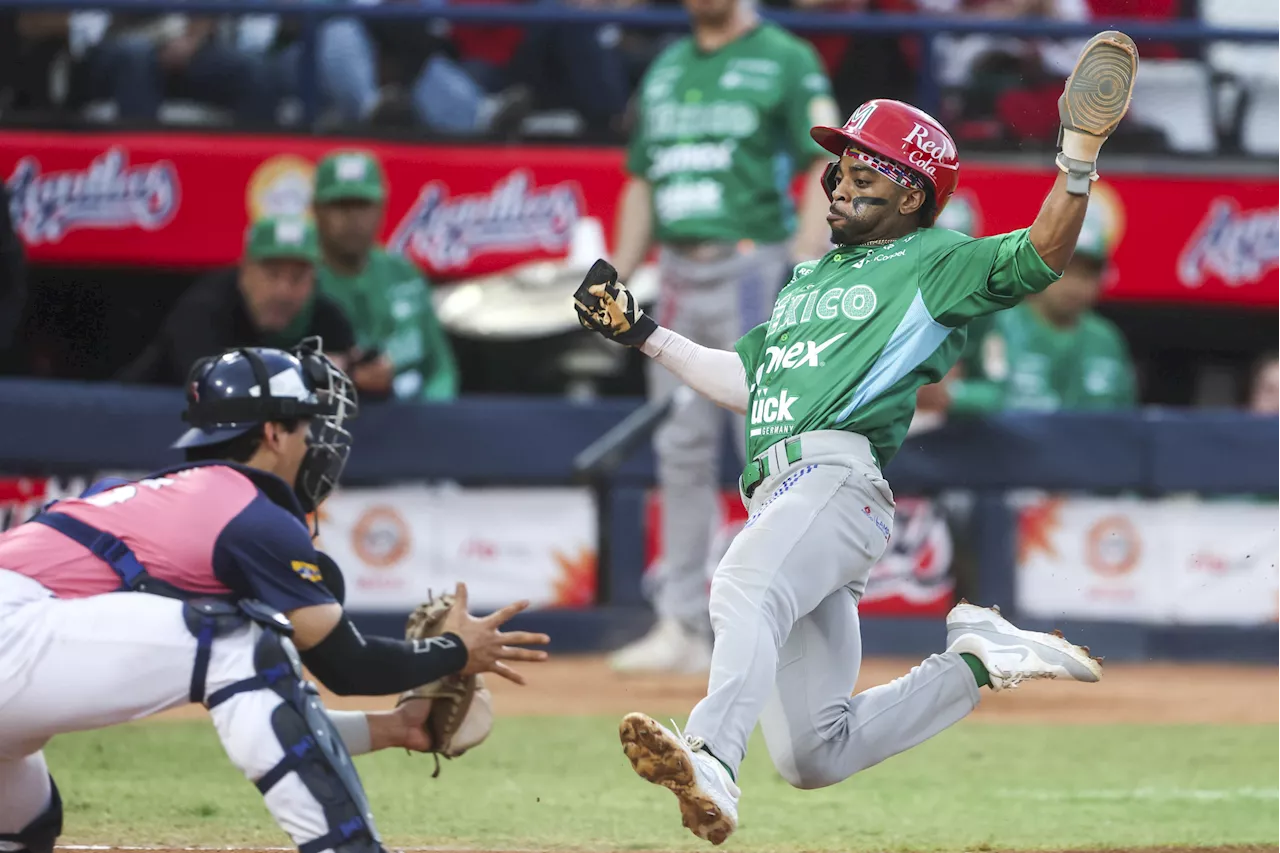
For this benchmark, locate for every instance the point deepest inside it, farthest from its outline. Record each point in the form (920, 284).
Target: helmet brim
(198, 437)
(833, 139)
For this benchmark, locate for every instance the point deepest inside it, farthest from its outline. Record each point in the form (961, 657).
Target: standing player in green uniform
(1051, 352)
(406, 352)
(829, 385)
(723, 120)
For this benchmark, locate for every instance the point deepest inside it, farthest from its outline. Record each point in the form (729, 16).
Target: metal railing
(925, 27)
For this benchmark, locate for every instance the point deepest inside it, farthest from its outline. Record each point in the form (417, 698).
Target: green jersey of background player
(1052, 352)
(828, 384)
(721, 131)
(406, 353)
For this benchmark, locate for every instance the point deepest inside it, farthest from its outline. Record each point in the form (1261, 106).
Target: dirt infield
(1128, 693)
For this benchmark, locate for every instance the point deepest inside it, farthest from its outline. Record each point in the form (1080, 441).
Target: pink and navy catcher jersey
(206, 529)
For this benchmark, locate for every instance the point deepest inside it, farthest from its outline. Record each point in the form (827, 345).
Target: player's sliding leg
(817, 735)
(821, 528)
(30, 806)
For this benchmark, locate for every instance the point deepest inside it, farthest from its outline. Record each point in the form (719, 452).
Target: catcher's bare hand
(488, 648)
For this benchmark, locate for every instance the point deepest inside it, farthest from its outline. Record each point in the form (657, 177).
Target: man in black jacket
(270, 300)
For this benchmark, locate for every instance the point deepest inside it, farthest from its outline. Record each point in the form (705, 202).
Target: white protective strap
(716, 374)
(1081, 146)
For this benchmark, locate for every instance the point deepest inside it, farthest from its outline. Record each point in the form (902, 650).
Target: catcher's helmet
(899, 132)
(232, 393)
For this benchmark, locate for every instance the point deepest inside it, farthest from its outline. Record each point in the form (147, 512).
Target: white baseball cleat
(668, 647)
(1012, 655)
(708, 796)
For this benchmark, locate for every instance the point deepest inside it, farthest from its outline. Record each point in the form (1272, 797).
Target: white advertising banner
(397, 544)
(1175, 561)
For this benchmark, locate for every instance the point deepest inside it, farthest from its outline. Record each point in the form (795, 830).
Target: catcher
(200, 583)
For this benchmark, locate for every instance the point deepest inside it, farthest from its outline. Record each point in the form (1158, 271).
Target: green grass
(562, 784)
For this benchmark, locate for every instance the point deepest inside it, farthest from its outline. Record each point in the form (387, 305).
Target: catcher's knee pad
(312, 748)
(39, 835)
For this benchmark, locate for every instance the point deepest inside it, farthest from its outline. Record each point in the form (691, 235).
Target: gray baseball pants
(712, 297)
(784, 609)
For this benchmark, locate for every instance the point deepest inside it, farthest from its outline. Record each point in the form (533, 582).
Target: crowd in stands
(325, 273)
(433, 77)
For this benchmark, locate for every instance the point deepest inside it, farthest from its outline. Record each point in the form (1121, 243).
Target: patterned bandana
(902, 177)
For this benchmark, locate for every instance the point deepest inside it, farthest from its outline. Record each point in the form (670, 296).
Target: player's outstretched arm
(1095, 99)
(605, 306)
(716, 374)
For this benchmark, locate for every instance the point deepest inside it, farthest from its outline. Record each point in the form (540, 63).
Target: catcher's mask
(232, 393)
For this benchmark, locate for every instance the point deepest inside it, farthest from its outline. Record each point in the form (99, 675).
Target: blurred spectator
(405, 353)
(137, 60)
(29, 44)
(423, 84)
(390, 72)
(1004, 81)
(863, 66)
(1264, 391)
(270, 300)
(346, 73)
(557, 60)
(1051, 352)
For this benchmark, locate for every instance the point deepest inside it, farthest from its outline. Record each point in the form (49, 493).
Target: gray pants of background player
(712, 296)
(787, 643)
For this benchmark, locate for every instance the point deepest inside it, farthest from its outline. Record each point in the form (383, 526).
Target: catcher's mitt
(461, 713)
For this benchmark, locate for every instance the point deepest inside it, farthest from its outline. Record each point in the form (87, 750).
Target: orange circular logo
(280, 186)
(1112, 546)
(381, 537)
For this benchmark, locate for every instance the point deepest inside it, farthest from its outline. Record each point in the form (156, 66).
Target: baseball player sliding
(828, 385)
(199, 583)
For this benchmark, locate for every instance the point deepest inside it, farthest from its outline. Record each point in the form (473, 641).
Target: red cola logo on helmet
(932, 149)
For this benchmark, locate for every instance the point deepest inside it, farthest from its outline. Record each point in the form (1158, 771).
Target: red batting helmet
(899, 132)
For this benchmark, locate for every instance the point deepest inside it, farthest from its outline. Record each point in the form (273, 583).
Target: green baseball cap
(1093, 242)
(289, 237)
(349, 174)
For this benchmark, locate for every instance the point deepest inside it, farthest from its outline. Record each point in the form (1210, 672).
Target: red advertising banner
(183, 200)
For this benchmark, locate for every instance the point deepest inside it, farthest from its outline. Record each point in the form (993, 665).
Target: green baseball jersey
(721, 135)
(389, 304)
(854, 334)
(1017, 360)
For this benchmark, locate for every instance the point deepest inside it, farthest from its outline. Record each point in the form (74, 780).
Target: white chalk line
(254, 847)
(1150, 794)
